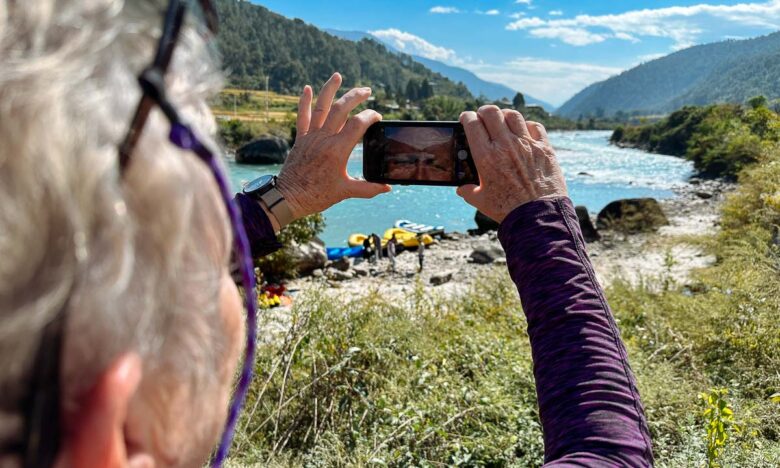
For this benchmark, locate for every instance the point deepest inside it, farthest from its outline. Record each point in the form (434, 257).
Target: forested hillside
(723, 72)
(256, 43)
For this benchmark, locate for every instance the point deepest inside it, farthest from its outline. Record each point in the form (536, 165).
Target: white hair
(138, 259)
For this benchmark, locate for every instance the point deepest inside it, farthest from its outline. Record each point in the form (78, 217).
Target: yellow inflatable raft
(402, 236)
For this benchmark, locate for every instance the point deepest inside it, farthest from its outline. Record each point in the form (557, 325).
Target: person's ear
(95, 432)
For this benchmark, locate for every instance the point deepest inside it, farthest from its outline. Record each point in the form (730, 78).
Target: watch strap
(278, 206)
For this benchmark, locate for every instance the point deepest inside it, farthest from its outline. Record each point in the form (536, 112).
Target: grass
(249, 105)
(448, 381)
(439, 381)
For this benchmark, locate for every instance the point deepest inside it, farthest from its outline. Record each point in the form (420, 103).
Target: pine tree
(519, 102)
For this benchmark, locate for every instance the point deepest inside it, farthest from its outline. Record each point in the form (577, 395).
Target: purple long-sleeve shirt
(589, 404)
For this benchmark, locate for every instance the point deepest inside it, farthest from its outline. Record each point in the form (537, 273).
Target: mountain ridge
(729, 71)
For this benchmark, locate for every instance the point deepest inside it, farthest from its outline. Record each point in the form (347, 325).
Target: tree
(412, 90)
(758, 101)
(426, 90)
(519, 101)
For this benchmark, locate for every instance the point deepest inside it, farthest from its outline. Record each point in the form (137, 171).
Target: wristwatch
(264, 189)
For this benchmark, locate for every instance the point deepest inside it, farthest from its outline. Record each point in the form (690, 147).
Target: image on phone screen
(418, 153)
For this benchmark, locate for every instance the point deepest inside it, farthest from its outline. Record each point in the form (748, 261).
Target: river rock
(486, 254)
(360, 270)
(485, 223)
(265, 150)
(703, 195)
(342, 264)
(309, 256)
(441, 278)
(338, 275)
(632, 215)
(589, 231)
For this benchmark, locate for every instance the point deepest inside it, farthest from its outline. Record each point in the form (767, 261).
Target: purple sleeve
(259, 230)
(589, 404)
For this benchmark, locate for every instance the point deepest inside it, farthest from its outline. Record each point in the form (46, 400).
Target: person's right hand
(314, 176)
(515, 161)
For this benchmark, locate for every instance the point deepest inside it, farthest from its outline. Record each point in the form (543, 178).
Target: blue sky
(547, 48)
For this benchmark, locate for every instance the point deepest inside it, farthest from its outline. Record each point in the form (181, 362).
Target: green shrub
(721, 140)
(281, 264)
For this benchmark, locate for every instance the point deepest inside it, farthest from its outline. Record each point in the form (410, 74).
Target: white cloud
(681, 24)
(556, 13)
(444, 10)
(573, 36)
(523, 2)
(415, 45)
(492, 12)
(550, 80)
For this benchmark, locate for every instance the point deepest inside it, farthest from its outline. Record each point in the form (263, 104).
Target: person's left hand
(314, 176)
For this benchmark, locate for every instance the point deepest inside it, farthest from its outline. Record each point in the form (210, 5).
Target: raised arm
(589, 406)
(314, 176)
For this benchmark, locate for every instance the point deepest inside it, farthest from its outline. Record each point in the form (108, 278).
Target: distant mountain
(255, 43)
(475, 84)
(730, 71)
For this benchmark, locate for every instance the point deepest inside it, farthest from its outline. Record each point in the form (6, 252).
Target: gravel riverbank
(450, 267)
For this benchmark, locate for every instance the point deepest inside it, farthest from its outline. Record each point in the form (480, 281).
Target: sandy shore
(692, 212)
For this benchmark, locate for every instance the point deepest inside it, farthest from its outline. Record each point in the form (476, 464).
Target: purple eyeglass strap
(183, 137)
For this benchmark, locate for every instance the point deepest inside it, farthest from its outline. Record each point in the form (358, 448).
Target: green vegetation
(242, 115)
(419, 383)
(724, 72)
(282, 264)
(721, 140)
(256, 43)
(432, 381)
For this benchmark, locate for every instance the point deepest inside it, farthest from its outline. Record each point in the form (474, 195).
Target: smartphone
(418, 153)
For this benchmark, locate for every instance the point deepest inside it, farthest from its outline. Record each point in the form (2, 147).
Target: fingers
(324, 101)
(516, 123)
(304, 111)
(356, 127)
(362, 189)
(471, 193)
(339, 112)
(478, 138)
(494, 122)
(538, 132)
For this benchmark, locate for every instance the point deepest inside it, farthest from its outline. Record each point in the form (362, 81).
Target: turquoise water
(615, 173)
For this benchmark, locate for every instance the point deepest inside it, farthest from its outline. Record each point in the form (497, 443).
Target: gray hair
(138, 261)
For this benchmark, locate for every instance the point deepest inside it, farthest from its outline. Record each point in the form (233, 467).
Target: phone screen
(422, 153)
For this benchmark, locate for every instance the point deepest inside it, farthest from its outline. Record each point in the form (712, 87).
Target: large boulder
(309, 257)
(589, 231)
(264, 150)
(487, 253)
(485, 223)
(632, 215)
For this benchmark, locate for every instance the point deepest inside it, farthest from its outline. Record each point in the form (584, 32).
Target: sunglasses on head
(43, 429)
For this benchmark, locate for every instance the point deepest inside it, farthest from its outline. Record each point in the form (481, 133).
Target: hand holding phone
(516, 162)
(418, 153)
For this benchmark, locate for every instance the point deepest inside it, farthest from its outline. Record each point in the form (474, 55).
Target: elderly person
(120, 327)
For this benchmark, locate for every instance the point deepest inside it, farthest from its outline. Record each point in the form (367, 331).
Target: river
(596, 173)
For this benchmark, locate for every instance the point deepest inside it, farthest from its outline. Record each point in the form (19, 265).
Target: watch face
(258, 183)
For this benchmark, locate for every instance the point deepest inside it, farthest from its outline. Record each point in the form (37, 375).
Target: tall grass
(448, 381)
